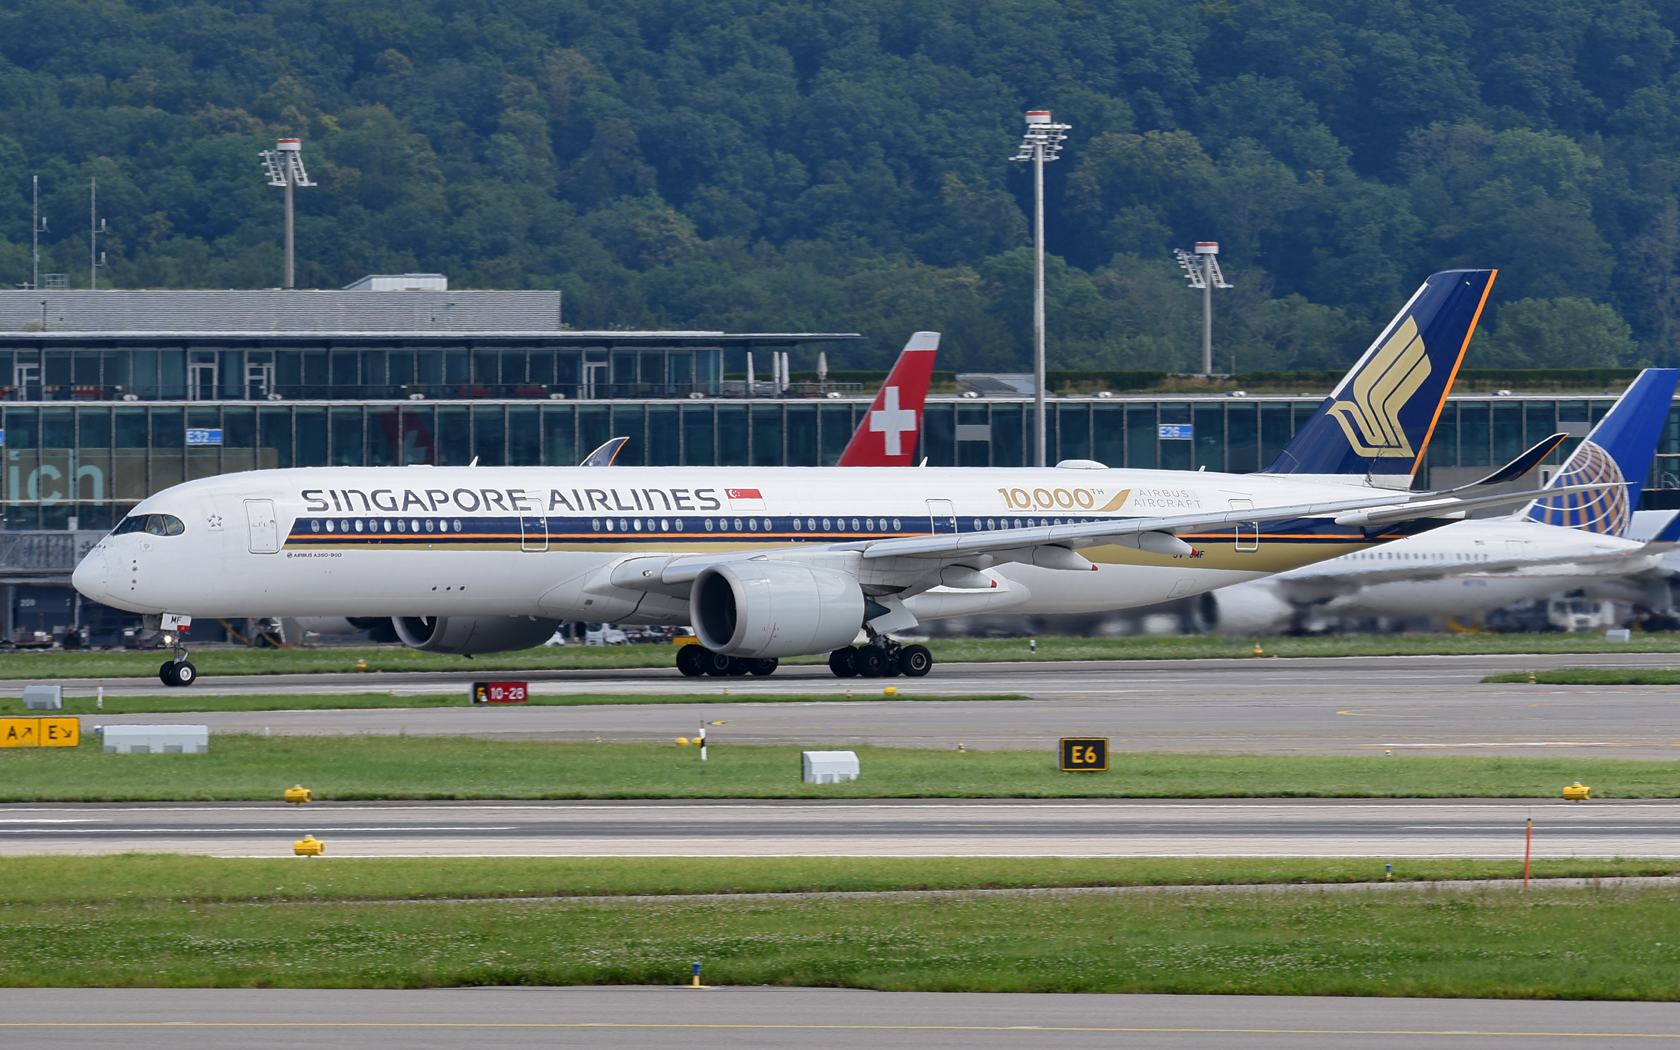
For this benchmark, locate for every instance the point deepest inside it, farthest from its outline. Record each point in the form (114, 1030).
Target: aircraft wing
(1306, 586)
(1052, 546)
(1371, 511)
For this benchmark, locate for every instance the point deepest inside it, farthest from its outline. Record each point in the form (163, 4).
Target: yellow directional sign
(1084, 754)
(40, 732)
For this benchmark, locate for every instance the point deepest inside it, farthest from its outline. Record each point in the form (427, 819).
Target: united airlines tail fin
(1618, 450)
(1377, 423)
(887, 436)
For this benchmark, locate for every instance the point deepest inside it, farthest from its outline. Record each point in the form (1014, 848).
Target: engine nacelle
(470, 635)
(1248, 608)
(770, 608)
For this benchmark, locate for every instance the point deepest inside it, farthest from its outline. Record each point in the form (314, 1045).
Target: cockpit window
(155, 524)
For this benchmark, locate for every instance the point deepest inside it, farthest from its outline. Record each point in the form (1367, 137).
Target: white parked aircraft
(773, 562)
(1556, 544)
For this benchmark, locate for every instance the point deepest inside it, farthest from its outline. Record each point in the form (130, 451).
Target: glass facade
(92, 462)
(250, 368)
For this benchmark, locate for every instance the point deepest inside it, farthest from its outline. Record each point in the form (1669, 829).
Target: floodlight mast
(285, 169)
(1041, 143)
(1201, 269)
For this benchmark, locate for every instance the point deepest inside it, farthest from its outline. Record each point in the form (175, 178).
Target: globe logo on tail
(1602, 510)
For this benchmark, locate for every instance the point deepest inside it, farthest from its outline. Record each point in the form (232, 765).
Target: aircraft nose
(92, 576)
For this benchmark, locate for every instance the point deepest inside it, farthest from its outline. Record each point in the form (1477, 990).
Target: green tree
(1557, 333)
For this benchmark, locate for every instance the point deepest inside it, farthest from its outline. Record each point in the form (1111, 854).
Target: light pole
(285, 168)
(1201, 269)
(1041, 143)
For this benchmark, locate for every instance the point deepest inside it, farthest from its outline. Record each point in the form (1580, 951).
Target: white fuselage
(1462, 569)
(543, 541)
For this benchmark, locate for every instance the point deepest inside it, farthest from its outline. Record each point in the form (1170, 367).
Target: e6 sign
(1084, 754)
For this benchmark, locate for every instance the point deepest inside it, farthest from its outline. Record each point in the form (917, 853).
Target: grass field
(1594, 676)
(45, 665)
(246, 767)
(189, 879)
(1543, 943)
(195, 701)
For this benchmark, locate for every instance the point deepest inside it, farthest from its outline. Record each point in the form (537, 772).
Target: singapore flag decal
(744, 499)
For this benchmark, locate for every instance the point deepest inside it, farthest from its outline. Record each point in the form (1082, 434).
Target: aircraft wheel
(892, 668)
(915, 660)
(691, 660)
(185, 673)
(738, 666)
(760, 668)
(870, 661)
(843, 662)
(716, 664)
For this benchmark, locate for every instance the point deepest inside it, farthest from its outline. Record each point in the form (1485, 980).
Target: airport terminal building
(107, 397)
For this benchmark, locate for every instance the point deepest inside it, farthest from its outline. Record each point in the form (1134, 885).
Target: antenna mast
(35, 237)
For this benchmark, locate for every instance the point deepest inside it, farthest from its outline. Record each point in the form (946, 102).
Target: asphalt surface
(832, 1019)
(910, 828)
(1344, 705)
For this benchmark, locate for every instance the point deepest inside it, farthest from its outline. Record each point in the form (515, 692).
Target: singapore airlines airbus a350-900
(785, 561)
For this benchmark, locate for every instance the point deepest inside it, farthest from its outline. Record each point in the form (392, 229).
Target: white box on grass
(43, 697)
(156, 740)
(828, 767)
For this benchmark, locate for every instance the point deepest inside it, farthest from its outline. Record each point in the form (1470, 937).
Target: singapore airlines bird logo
(1371, 420)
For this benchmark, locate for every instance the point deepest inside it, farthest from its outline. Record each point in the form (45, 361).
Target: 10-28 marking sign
(1084, 754)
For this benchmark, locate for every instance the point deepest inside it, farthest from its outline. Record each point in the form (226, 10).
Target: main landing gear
(696, 660)
(881, 658)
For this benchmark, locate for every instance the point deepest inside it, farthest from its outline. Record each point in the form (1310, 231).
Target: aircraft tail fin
(1619, 449)
(1378, 421)
(887, 436)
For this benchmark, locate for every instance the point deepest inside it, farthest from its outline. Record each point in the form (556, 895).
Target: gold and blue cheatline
(1274, 545)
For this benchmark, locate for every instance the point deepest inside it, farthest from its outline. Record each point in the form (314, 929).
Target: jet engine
(1248, 608)
(470, 635)
(772, 609)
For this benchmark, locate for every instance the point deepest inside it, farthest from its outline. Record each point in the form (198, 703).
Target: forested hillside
(796, 164)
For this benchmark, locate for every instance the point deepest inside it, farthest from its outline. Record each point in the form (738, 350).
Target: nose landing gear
(179, 671)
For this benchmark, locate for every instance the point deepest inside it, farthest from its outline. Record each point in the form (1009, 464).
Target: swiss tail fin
(887, 436)
(1379, 419)
(1618, 450)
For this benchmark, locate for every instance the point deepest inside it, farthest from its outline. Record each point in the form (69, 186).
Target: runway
(1433, 704)
(891, 828)
(777, 1018)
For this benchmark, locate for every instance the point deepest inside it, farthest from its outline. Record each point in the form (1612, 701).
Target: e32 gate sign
(1084, 754)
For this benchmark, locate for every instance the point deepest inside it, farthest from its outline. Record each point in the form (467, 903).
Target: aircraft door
(1248, 532)
(533, 532)
(942, 517)
(265, 530)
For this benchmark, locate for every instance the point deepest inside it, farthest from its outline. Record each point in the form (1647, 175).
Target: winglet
(1521, 465)
(604, 456)
(1379, 419)
(887, 436)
